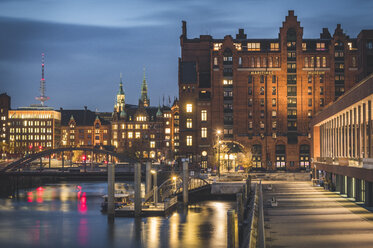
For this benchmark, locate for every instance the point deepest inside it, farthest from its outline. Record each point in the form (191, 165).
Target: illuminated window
(240, 61)
(130, 135)
(203, 115)
(274, 124)
(261, 124)
(276, 61)
(227, 81)
(275, 47)
(324, 62)
(204, 132)
(144, 126)
(270, 62)
(320, 46)
(189, 123)
(309, 113)
(189, 140)
(350, 46)
(273, 102)
(306, 62)
(312, 62)
(250, 126)
(304, 46)
(129, 126)
(309, 91)
(274, 113)
(258, 62)
(152, 136)
(215, 61)
(318, 62)
(189, 108)
(167, 130)
(217, 46)
(253, 46)
(152, 144)
(238, 46)
(137, 135)
(137, 126)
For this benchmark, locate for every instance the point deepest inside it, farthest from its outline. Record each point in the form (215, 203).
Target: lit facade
(262, 93)
(342, 143)
(84, 128)
(33, 129)
(142, 131)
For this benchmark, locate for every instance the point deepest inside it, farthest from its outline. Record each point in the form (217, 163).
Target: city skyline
(86, 50)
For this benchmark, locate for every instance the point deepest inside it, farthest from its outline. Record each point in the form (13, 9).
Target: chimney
(184, 28)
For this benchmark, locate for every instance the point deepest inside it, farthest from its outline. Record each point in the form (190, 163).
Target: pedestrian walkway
(307, 216)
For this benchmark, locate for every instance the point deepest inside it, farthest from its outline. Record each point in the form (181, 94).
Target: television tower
(42, 98)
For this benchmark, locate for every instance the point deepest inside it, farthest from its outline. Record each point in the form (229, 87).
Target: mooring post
(244, 194)
(63, 161)
(41, 164)
(231, 229)
(137, 189)
(148, 177)
(110, 190)
(239, 208)
(49, 161)
(185, 182)
(248, 183)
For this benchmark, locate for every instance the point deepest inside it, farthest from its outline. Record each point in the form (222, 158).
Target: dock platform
(160, 209)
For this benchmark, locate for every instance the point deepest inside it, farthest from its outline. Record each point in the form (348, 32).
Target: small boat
(120, 199)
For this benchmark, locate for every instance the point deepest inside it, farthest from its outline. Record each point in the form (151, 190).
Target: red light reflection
(39, 194)
(29, 196)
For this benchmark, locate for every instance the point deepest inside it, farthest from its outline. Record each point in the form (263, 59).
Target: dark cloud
(83, 62)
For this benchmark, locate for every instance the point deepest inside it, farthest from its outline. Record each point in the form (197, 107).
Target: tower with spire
(42, 98)
(144, 100)
(120, 103)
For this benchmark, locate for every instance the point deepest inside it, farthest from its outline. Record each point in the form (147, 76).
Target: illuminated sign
(261, 72)
(316, 72)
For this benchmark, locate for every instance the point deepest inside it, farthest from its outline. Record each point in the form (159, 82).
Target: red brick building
(262, 93)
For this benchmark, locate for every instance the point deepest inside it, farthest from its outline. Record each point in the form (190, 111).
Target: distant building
(4, 131)
(342, 143)
(262, 93)
(142, 131)
(32, 129)
(84, 128)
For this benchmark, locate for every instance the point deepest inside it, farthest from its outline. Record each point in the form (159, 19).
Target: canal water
(68, 215)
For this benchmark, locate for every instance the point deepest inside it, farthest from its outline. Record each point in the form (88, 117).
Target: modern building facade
(262, 93)
(342, 138)
(32, 129)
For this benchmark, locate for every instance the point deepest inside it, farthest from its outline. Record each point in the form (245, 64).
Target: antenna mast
(42, 98)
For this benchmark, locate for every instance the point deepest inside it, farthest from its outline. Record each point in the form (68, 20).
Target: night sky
(89, 42)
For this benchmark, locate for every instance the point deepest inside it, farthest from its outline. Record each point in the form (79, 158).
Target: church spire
(144, 92)
(120, 102)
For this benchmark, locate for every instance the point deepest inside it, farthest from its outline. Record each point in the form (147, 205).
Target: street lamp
(174, 179)
(218, 134)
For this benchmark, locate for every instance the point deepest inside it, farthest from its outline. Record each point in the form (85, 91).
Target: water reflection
(68, 215)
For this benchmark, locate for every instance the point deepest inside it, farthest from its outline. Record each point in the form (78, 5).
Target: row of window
(30, 137)
(275, 46)
(30, 130)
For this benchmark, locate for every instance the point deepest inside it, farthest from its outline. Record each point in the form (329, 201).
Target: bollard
(244, 194)
(185, 182)
(110, 190)
(137, 189)
(148, 177)
(239, 208)
(231, 229)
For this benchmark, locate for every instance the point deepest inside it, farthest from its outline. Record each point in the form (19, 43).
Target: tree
(245, 158)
